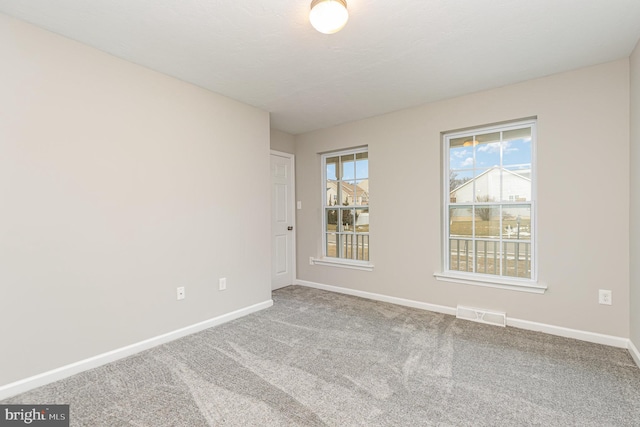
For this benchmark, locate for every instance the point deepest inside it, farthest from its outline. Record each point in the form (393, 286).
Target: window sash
(507, 253)
(345, 227)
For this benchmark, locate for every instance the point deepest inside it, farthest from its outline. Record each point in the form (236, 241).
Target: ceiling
(391, 55)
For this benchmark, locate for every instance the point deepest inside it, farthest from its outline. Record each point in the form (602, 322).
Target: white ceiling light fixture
(328, 16)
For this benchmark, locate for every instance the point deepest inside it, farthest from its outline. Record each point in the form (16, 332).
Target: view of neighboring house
(516, 187)
(351, 193)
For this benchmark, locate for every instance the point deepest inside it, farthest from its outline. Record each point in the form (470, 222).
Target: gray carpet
(317, 358)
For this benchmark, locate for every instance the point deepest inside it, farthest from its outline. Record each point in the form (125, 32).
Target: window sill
(342, 263)
(521, 285)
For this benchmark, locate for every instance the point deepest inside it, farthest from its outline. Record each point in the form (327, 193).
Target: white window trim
(331, 261)
(480, 279)
(499, 282)
(343, 263)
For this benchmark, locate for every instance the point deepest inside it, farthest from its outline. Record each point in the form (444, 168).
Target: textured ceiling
(391, 55)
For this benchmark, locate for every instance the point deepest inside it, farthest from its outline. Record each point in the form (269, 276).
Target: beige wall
(635, 197)
(583, 188)
(119, 184)
(282, 141)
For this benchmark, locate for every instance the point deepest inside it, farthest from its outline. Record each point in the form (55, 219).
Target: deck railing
(350, 246)
(514, 260)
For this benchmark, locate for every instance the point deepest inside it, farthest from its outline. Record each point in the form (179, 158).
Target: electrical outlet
(605, 297)
(222, 283)
(180, 292)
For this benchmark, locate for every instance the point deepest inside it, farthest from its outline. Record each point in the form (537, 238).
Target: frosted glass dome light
(328, 16)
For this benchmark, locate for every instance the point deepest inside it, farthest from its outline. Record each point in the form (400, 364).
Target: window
(346, 206)
(489, 205)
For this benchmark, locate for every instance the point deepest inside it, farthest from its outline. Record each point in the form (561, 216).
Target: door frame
(292, 160)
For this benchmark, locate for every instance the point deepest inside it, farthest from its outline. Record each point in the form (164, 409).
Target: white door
(282, 220)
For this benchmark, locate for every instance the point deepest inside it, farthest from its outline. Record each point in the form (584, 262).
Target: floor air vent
(483, 316)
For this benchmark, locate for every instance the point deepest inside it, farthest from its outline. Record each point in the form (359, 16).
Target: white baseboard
(57, 374)
(634, 353)
(379, 297)
(577, 334)
(593, 337)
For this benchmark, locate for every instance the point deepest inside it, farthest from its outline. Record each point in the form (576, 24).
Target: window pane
(347, 248)
(516, 148)
(348, 193)
(332, 219)
(517, 259)
(362, 166)
(487, 185)
(488, 257)
(516, 184)
(332, 168)
(461, 221)
(362, 193)
(487, 138)
(460, 156)
(487, 221)
(348, 166)
(458, 142)
(332, 192)
(521, 133)
(516, 222)
(348, 219)
(362, 247)
(341, 246)
(362, 220)
(460, 254)
(487, 150)
(355, 246)
(331, 244)
(460, 186)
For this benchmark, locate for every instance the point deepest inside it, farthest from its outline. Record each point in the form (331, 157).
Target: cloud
(507, 148)
(494, 147)
(467, 162)
(461, 154)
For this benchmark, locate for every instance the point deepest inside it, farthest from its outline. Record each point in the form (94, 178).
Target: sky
(516, 154)
(361, 170)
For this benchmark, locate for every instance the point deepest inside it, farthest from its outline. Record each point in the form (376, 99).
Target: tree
(455, 182)
(348, 216)
(484, 212)
(332, 217)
